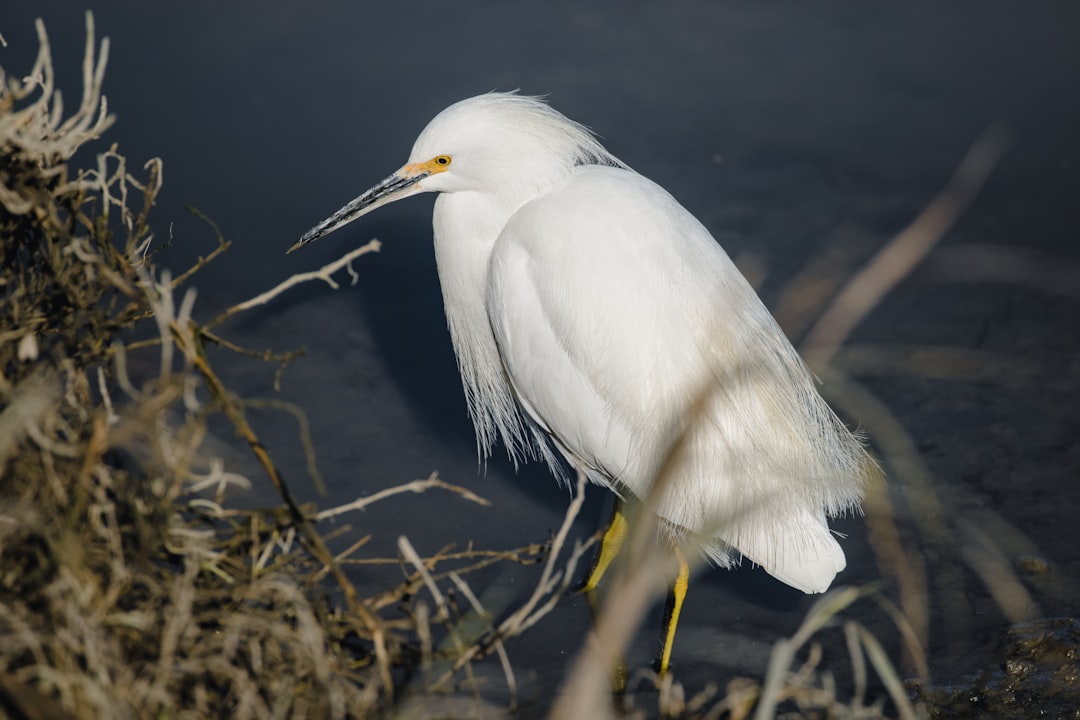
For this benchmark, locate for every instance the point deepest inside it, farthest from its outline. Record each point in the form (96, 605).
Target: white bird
(593, 315)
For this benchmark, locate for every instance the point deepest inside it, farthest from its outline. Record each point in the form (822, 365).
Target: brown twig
(202, 262)
(551, 585)
(896, 260)
(314, 541)
(416, 486)
(325, 273)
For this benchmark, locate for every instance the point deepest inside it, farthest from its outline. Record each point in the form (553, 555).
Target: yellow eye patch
(436, 164)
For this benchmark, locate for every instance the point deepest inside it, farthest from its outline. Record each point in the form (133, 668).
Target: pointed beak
(399, 185)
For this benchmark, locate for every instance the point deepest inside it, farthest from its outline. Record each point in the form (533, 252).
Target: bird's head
(499, 142)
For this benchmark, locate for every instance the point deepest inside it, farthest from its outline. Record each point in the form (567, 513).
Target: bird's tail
(803, 553)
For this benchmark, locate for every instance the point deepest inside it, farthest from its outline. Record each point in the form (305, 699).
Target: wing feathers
(617, 314)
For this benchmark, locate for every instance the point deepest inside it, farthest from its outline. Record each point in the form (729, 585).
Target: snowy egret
(590, 312)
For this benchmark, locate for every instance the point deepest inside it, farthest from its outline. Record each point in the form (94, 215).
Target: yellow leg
(609, 547)
(671, 614)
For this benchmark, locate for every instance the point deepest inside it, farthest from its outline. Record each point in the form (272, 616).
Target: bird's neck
(466, 226)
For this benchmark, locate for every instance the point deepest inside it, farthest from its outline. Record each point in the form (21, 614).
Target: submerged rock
(1039, 677)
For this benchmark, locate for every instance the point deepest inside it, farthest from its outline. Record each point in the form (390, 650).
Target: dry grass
(128, 587)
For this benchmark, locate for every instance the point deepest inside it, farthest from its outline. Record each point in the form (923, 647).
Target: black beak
(392, 188)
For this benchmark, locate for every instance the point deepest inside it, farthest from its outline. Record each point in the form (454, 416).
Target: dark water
(785, 127)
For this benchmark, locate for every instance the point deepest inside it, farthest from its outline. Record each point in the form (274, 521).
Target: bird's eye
(443, 160)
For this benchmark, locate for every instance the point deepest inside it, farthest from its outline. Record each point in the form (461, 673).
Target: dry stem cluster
(128, 588)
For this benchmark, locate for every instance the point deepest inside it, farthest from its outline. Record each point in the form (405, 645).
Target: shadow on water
(398, 298)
